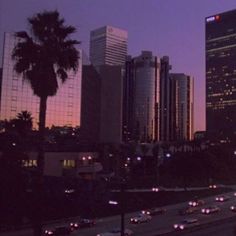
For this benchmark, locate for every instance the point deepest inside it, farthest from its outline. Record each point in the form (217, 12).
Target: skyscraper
(165, 103)
(90, 105)
(157, 105)
(221, 74)
(141, 98)
(111, 104)
(108, 46)
(16, 94)
(181, 125)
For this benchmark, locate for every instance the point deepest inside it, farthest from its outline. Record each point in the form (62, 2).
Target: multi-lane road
(161, 224)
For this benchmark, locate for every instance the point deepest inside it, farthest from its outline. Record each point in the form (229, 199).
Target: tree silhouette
(43, 57)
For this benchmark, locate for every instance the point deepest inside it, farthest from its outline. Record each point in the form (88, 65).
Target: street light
(139, 158)
(168, 155)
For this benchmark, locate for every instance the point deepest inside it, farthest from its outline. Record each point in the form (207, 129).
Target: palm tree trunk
(38, 215)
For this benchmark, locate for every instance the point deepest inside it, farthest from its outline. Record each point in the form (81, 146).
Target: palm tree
(25, 116)
(43, 57)
(24, 122)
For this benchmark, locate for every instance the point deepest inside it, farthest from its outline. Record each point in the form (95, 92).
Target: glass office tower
(141, 98)
(221, 74)
(182, 88)
(16, 94)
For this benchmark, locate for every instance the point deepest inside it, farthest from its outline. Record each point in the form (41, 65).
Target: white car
(210, 209)
(158, 189)
(142, 218)
(213, 186)
(222, 198)
(116, 232)
(196, 203)
(186, 224)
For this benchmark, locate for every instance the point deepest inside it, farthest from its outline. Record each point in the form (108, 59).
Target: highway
(225, 229)
(159, 224)
(163, 223)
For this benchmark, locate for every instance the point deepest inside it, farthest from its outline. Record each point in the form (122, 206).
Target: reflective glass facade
(16, 94)
(108, 46)
(182, 88)
(221, 74)
(141, 98)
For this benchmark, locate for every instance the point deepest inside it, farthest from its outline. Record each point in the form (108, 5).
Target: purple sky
(166, 27)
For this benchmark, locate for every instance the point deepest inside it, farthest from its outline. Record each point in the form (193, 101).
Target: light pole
(122, 205)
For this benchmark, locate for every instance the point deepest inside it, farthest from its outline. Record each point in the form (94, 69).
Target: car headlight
(232, 207)
(181, 226)
(175, 226)
(203, 210)
(207, 211)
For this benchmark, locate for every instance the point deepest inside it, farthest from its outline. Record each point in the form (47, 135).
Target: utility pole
(122, 206)
(122, 192)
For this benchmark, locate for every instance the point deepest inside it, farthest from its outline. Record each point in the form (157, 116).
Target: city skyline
(175, 29)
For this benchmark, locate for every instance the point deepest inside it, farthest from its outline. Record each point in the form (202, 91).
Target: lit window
(68, 163)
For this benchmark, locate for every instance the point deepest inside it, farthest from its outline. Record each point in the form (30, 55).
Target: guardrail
(198, 227)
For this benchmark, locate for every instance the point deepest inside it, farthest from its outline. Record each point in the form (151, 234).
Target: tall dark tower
(221, 74)
(141, 98)
(165, 103)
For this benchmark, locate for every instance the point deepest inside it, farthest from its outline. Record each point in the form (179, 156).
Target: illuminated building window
(29, 163)
(69, 163)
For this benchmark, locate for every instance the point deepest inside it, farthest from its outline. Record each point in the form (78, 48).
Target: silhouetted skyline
(166, 27)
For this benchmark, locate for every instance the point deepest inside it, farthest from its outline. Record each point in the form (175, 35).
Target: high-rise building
(111, 104)
(108, 46)
(90, 105)
(141, 98)
(165, 103)
(17, 95)
(221, 74)
(181, 125)
(157, 105)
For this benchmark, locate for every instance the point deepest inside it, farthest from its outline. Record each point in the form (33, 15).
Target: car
(116, 232)
(82, 223)
(210, 209)
(58, 231)
(154, 211)
(186, 224)
(222, 198)
(233, 208)
(158, 189)
(196, 203)
(142, 218)
(213, 186)
(69, 190)
(187, 210)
